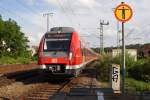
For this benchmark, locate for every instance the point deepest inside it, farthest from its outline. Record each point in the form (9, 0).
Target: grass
(134, 85)
(11, 60)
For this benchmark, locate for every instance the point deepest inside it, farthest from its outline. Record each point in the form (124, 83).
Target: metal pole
(100, 45)
(47, 23)
(118, 39)
(47, 15)
(101, 35)
(123, 60)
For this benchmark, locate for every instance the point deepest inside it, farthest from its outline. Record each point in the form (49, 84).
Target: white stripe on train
(78, 66)
(71, 66)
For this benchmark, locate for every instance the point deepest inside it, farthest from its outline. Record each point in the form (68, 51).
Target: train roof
(61, 30)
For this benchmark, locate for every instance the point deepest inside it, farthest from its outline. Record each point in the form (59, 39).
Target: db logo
(54, 60)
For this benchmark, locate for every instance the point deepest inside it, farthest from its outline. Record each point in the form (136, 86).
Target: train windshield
(57, 42)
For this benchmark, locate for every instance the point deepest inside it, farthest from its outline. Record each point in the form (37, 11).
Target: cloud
(30, 2)
(76, 6)
(52, 2)
(88, 3)
(84, 16)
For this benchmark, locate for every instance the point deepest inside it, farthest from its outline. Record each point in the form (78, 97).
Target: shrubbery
(105, 63)
(35, 56)
(129, 60)
(140, 70)
(104, 67)
(134, 85)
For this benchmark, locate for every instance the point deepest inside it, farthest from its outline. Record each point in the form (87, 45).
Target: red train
(62, 51)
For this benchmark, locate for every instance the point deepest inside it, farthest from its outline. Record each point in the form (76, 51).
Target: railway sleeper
(53, 88)
(41, 95)
(37, 98)
(46, 90)
(40, 92)
(43, 92)
(50, 86)
(56, 87)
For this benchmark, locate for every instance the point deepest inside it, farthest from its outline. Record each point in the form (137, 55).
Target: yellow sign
(123, 12)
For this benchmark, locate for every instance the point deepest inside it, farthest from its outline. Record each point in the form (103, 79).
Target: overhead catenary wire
(22, 18)
(29, 9)
(65, 12)
(70, 7)
(75, 15)
(73, 12)
(48, 15)
(9, 12)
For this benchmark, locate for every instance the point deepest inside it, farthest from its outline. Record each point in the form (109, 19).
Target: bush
(35, 57)
(106, 61)
(129, 60)
(103, 67)
(140, 70)
(134, 85)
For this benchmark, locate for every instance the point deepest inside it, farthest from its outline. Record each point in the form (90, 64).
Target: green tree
(15, 40)
(1, 34)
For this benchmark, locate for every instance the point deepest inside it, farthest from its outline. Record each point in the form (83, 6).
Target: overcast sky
(83, 15)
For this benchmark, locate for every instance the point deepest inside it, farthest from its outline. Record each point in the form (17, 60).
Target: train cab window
(55, 41)
(57, 44)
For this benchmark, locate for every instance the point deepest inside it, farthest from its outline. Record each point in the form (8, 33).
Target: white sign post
(115, 78)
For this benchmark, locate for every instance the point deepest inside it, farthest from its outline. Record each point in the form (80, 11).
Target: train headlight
(70, 55)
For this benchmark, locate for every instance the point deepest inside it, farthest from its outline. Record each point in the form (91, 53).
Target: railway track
(48, 87)
(4, 81)
(44, 93)
(8, 79)
(19, 76)
(5, 69)
(46, 90)
(54, 87)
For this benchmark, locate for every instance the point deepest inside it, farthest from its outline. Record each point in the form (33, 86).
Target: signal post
(123, 13)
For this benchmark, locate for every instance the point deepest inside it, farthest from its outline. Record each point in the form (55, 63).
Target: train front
(54, 50)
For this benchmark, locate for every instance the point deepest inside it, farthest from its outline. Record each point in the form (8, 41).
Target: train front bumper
(67, 69)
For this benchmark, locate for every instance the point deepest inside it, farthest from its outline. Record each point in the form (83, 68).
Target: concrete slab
(97, 94)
